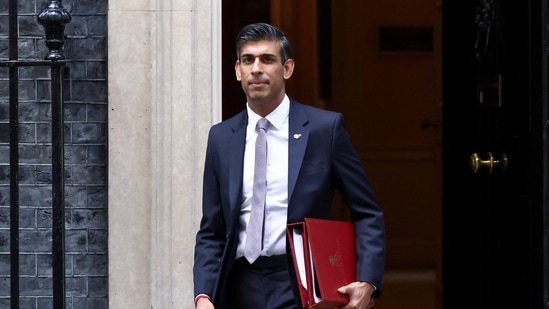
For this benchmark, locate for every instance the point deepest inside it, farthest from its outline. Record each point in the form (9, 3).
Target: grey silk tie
(254, 232)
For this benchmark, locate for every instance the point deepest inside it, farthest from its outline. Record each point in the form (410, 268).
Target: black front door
(494, 113)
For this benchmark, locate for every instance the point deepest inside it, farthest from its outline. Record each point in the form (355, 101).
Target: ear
(237, 70)
(288, 68)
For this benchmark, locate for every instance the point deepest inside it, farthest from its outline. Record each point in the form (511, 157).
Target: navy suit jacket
(321, 160)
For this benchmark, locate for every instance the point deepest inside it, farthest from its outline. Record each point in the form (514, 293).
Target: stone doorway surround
(164, 80)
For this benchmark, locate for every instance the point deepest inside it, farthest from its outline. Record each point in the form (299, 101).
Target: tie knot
(262, 123)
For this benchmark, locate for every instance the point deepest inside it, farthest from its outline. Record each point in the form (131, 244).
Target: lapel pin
(297, 136)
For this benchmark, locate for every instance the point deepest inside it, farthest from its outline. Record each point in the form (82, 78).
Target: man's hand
(204, 303)
(360, 295)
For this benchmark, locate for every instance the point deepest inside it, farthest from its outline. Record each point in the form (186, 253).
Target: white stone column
(164, 85)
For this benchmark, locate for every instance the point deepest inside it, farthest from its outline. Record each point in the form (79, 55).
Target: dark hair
(263, 31)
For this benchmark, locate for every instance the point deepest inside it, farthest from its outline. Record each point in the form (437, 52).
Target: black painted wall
(85, 158)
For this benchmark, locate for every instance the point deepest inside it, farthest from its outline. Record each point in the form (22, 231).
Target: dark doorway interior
(236, 14)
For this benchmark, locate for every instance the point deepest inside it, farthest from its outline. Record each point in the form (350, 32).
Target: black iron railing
(53, 18)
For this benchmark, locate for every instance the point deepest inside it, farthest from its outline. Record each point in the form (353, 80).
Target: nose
(256, 68)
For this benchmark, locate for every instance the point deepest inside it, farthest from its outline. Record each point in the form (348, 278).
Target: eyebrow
(260, 55)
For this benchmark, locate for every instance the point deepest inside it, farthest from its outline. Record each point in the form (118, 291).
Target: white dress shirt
(276, 206)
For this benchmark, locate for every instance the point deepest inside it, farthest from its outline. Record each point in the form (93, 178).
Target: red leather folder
(324, 257)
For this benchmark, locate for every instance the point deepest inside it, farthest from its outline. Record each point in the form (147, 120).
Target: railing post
(14, 156)
(54, 19)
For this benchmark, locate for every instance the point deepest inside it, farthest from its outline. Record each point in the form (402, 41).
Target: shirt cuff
(375, 287)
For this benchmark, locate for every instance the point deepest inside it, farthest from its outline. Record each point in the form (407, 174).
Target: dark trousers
(265, 284)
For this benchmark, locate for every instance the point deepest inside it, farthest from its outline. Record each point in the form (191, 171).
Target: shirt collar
(276, 117)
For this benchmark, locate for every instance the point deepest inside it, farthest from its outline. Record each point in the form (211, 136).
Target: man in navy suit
(309, 156)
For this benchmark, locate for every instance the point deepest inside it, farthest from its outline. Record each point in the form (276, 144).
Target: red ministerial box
(324, 256)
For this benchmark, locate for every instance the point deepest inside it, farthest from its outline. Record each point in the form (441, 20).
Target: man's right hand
(204, 303)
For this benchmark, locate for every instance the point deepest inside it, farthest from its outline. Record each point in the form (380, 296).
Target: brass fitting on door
(490, 164)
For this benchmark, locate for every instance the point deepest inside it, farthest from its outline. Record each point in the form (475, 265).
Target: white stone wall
(164, 84)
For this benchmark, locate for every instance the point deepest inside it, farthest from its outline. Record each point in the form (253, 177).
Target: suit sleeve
(357, 193)
(211, 236)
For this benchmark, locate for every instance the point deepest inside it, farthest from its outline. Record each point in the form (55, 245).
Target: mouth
(257, 83)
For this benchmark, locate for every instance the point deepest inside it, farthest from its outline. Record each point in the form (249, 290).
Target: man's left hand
(360, 295)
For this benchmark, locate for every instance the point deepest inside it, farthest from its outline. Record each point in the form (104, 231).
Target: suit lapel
(298, 136)
(297, 143)
(236, 164)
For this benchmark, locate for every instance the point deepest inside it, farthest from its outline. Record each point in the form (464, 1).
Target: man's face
(262, 73)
